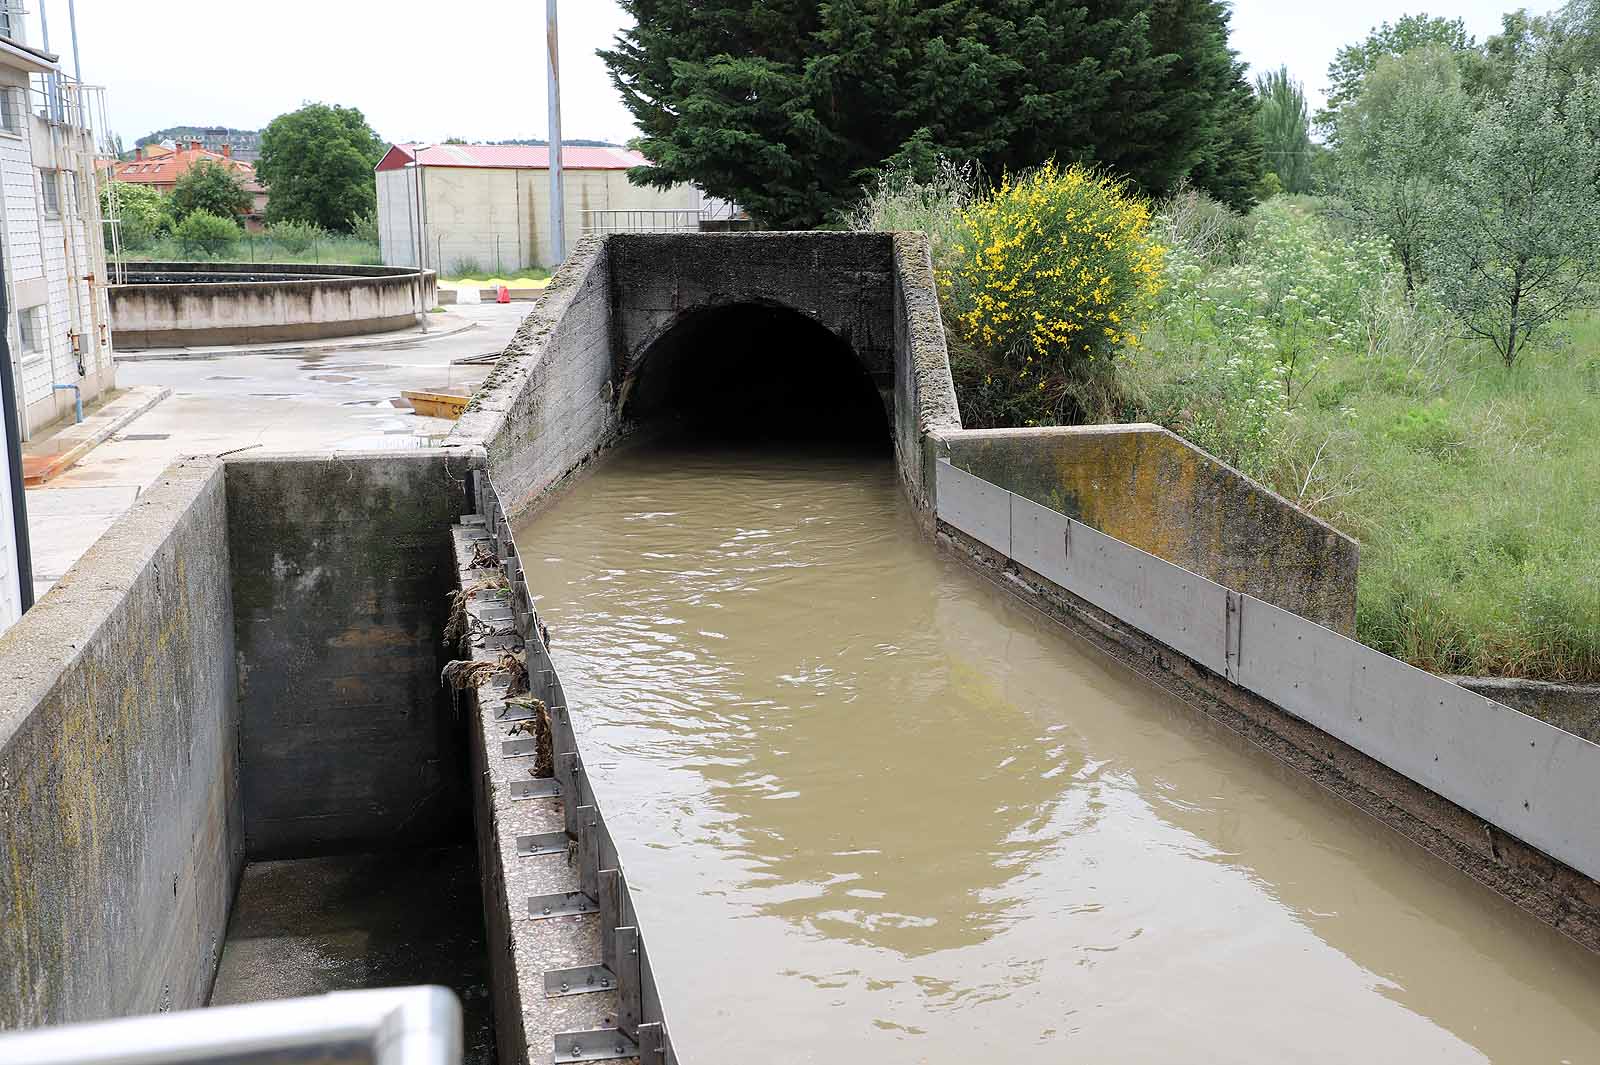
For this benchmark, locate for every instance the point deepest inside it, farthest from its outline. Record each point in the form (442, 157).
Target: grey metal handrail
(388, 1026)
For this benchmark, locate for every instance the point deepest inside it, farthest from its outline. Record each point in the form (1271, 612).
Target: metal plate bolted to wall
(624, 963)
(1529, 778)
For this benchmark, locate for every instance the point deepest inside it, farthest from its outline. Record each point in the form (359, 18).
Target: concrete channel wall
(168, 305)
(556, 397)
(340, 566)
(1151, 488)
(120, 815)
(246, 665)
(1496, 792)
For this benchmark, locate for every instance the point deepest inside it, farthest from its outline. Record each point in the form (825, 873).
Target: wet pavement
(309, 400)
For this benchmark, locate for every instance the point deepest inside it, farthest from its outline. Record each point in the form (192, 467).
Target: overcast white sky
(430, 70)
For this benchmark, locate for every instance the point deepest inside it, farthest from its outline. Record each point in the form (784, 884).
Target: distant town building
(159, 167)
(245, 144)
(460, 207)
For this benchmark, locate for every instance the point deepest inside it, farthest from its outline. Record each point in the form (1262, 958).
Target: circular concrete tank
(162, 305)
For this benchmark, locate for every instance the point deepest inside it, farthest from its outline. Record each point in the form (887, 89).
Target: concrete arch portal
(787, 333)
(757, 370)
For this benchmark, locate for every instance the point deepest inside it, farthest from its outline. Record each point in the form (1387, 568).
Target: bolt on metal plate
(578, 981)
(543, 843)
(538, 788)
(519, 748)
(562, 904)
(602, 1044)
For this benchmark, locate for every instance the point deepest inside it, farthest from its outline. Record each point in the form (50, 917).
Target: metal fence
(390, 1026)
(624, 964)
(674, 221)
(1533, 780)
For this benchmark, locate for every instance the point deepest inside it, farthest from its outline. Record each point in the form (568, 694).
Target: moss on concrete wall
(1151, 489)
(119, 800)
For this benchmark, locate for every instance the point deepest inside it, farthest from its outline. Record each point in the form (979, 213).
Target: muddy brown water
(872, 808)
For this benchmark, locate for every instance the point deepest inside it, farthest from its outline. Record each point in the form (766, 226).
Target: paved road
(316, 400)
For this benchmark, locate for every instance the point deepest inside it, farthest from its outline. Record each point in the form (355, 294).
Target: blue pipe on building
(77, 395)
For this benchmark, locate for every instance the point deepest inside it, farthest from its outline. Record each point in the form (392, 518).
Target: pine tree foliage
(789, 107)
(1285, 127)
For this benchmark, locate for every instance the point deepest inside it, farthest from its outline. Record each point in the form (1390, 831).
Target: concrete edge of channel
(1543, 887)
(405, 338)
(112, 419)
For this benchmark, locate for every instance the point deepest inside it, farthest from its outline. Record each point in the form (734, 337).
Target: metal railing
(624, 965)
(1531, 779)
(673, 221)
(390, 1026)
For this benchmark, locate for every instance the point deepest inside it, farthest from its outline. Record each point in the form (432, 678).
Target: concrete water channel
(888, 738)
(865, 796)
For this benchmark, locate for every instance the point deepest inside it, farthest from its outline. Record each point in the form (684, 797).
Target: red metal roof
(509, 157)
(167, 169)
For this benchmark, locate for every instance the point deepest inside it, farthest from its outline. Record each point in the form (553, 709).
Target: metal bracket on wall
(602, 1044)
(630, 980)
(543, 843)
(1232, 628)
(581, 980)
(652, 1044)
(522, 748)
(1066, 542)
(562, 904)
(538, 788)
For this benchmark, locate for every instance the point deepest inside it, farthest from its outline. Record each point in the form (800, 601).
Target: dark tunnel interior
(753, 373)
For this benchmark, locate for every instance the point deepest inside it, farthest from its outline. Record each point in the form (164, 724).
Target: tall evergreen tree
(1285, 127)
(789, 106)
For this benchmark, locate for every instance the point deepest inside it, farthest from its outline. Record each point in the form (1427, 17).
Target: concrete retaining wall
(120, 837)
(1574, 708)
(1154, 490)
(341, 564)
(236, 303)
(555, 398)
(548, 405)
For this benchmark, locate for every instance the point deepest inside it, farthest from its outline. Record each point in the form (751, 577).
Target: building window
(52, 192)
(10, 21)
(12, 109)
(30, 322)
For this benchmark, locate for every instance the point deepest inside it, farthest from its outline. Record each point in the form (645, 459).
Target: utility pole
(72, 23)
(11, 433)
(558, 207)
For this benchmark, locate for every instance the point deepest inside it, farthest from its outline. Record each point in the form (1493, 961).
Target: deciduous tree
(209, 186)
(1518, 245)
(317, 165)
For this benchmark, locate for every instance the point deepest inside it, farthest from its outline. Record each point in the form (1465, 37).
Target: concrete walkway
(319, 398)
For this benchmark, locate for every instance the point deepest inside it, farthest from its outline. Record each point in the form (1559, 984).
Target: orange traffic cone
(503, 295)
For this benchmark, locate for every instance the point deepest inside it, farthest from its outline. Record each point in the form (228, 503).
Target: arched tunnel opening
(756, 373)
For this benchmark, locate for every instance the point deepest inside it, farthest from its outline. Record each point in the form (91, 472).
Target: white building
(57, 314)
(468, 207)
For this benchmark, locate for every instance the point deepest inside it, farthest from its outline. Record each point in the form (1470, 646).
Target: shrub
(203, 233)
(296, 238)
(364, 227)
(1054, 271)
(143, 214)
(898, 202)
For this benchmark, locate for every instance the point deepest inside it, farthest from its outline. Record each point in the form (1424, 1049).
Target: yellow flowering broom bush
(1048, 276)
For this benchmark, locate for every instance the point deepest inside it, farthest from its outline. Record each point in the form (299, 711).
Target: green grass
(339, 249)
(1477, 504)
(526, 273)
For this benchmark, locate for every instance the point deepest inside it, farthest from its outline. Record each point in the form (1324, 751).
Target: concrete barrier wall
(553, 400)
(1150, 488)
(237, 303)
(1526, 778)
(924, 394)
(120, 817)
(548, 404)
(341, 565)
